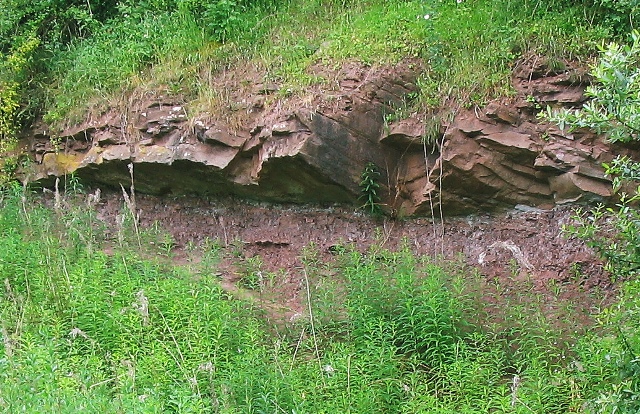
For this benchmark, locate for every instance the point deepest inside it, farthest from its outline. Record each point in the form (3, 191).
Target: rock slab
(486, 158)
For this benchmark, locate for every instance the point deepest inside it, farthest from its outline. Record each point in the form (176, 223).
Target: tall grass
(83, 330)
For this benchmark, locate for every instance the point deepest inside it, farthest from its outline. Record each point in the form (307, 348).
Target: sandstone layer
(315, 150)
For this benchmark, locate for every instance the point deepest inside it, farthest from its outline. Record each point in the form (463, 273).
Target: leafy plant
(614, 232)
(85, 330)
(14, 73)
(388, 303)
(619, 16)
(614, 105)
(369, 188)
(613, 110)
(53, 22)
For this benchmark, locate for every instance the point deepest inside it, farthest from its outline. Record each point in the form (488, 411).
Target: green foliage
(87, 331)
(9, 106)
(225, 18)
(104, 63)
(221, 20)
(469, 47)
(388, 304)
(408, 322)
(617, 16)
(116, 333)
(614, 355)
(614, 106)
(83, 43)
(613, 110)
(15, 69)
(614, 232)
(31, 33)
(56, 23)
(369, 188)
(92, 52)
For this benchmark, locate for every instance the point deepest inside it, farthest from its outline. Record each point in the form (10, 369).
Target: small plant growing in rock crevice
(369, 188)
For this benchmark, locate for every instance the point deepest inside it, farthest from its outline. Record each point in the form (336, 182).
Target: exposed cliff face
(315, 150)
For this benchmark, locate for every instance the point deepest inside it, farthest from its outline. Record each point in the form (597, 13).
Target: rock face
(315, 151)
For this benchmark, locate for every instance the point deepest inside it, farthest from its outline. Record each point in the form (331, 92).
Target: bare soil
(515, 252)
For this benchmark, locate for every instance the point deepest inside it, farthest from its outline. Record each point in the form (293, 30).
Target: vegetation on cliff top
(78, 57)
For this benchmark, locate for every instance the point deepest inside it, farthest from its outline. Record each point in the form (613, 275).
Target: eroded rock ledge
(315, 150)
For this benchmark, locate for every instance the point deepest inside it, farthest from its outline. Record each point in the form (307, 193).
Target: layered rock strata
(314, 151)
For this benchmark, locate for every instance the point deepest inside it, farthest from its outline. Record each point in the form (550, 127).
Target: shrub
(614, 111)
(614, 232)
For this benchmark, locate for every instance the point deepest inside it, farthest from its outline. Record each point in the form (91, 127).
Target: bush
(617, 16)
(614, 232)
(614, 111)
(614, 105)
(393, 300)
(15, 71)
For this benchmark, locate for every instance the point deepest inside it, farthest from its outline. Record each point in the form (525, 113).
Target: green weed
(369, 188)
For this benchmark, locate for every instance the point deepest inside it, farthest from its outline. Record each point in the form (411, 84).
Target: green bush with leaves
(614, 232)
(616, 16)
(613, 110)
(395, 300)
(15, 71)
(614, 105)
(56, 23)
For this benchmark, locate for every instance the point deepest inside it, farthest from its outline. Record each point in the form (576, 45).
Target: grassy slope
(469, 48)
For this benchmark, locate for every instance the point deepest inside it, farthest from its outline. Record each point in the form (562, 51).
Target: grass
(390, 332)
(467, 50)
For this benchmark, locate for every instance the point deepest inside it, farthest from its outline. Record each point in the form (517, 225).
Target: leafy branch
(614, 106)
(614, 232)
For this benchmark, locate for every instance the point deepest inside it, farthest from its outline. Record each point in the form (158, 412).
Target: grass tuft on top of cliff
(177, 47)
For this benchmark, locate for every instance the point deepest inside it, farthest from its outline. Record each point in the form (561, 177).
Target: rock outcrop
(315, 150)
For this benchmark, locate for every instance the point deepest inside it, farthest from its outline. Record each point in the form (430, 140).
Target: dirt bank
(523, 249)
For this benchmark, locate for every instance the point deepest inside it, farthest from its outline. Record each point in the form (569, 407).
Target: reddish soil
(517, 250)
